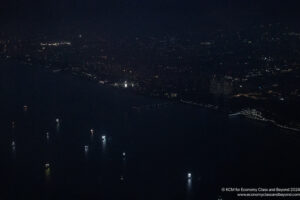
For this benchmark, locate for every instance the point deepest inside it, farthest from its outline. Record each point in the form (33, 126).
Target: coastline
(263, 119)
(207, 106)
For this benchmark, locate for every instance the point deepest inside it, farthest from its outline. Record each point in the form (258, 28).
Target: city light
(63, 43)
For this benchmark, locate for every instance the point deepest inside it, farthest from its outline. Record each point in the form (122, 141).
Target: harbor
(79, 140)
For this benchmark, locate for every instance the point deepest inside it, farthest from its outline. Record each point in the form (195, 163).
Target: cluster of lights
(56, 44)
(86, 149)
(126, 85)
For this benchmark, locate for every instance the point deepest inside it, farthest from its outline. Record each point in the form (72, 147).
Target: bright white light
(103, 137)
(86, 148)
(124, 154)
(125, 85)
(57, 120)
(189, 175)
(47, 165)
(92, 131)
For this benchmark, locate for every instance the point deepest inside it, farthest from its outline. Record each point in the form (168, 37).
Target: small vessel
(25, 107)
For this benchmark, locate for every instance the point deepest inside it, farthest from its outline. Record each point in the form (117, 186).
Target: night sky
(95, 9)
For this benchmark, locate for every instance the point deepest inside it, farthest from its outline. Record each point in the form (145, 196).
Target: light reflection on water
(57, 127)
(13, 151)
(47, 136)
(92, 137)
(189, 189)
(104, 141)
(86, 151)
(48, 174)
(124, 163)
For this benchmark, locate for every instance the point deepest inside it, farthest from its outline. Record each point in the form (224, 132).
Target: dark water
(162, 144)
